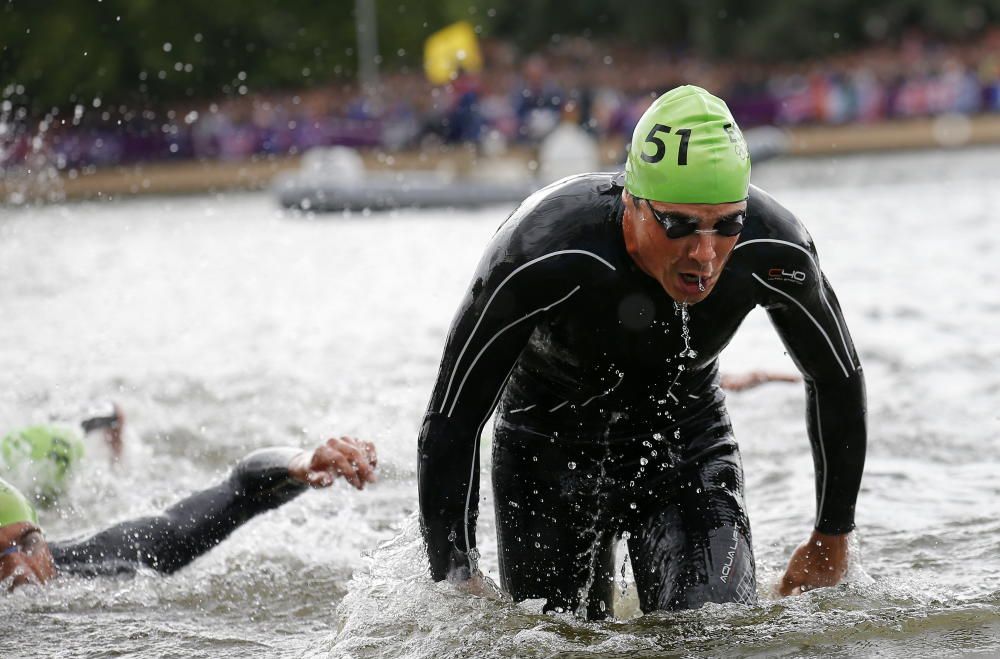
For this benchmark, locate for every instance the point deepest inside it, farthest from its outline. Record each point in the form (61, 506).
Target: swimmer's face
(24, 555)
(689, 267)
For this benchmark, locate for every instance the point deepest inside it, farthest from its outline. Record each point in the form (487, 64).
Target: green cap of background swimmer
(687, 149)
(43, 456)
(14, 507)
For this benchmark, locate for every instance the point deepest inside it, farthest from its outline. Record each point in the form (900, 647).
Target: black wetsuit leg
(696, 548)
(562, 503)
(556, 539)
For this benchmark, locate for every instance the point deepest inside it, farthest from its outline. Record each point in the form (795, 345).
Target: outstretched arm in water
(264, 480)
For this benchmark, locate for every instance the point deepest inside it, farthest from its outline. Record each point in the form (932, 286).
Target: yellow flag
(450, 49)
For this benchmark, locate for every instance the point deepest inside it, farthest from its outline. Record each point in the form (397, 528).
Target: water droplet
(571, 465)
(643, 461)
(633, 506)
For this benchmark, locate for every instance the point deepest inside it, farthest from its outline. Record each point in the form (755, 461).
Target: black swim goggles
(681, 227)
(26, 544)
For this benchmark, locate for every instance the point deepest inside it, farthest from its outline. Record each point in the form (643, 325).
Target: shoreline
(201, 177)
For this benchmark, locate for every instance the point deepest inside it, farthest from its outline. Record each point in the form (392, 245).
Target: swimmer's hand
(753, 379)
(820, 561)
(351, 458)
(475, 583)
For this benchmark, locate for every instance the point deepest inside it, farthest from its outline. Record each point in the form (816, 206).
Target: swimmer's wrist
(269, 464)
(298, 467)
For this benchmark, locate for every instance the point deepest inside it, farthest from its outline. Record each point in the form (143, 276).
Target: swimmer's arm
(264, 480)
(172, 539)
(448, 445)
(490, 330)
(811, 325)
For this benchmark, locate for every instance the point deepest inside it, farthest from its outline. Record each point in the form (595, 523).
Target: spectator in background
(463, 122)
(537, 100)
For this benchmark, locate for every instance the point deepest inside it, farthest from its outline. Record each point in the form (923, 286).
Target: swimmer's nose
(703, 249)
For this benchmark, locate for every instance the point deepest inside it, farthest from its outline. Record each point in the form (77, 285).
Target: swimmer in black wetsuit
(594, 323)
(262, 481)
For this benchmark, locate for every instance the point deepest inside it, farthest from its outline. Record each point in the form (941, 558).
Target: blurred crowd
(519, 99)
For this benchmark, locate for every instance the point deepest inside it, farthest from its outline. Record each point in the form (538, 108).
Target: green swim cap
(39, 458)
(687, 149)
(14, 507)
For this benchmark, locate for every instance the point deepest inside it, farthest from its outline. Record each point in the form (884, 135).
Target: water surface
(222, 324)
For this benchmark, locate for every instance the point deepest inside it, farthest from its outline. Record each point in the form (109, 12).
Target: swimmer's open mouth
(692, 279)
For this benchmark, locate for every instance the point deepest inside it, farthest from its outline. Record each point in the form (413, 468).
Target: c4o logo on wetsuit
(780, 274)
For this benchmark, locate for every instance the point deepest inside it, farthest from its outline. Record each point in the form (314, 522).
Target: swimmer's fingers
(789, 586)
(351, 460)
(370, 454)
(339, 456)
(361, 455)
(347, 469)
(319, 468)
(819, 562)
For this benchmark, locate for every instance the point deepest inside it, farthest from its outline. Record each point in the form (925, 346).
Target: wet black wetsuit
(169, 541)
(611, 420)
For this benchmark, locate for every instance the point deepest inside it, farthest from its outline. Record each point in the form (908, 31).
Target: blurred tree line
(60, 52)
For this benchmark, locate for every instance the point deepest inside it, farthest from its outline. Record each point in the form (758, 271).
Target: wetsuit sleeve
(805, 311)
(188, 529)
(509, 295)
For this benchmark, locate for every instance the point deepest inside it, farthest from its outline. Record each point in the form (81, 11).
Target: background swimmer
(265, 479)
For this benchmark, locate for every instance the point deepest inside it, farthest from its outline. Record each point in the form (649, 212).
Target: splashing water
(681, 309)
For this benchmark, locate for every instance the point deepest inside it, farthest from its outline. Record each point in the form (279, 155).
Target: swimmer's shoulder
(577, 213)
(568, 205)
(773, 233)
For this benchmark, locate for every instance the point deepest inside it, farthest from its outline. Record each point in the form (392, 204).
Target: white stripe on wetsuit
(475, 450)
(620, 380)
(822, 452)
(468, 371)
(482, 314)
(822, 295)
(815, 322)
